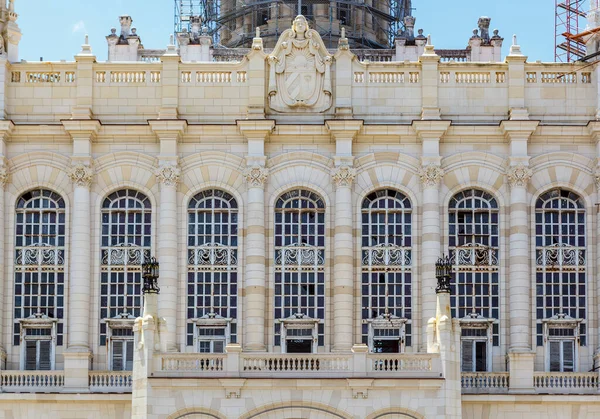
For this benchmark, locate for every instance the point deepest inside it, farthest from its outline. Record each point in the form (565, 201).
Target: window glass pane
(467, 355)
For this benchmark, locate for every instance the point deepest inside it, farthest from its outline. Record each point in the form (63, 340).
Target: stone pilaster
(516, 83)
(85, 79)
(77, 356)
(519, 271)
(256, 177)
(520, 355)
(430, 61)
(169, 133)
(6, 128)
(343, 175)
(430, 134)
(170, 83)
(343, 268)
(256, 132)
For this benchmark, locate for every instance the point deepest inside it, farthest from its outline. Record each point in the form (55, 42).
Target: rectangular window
(475, 349)
(38, 355)
(562, 355)
(211, 340)
(122, 355)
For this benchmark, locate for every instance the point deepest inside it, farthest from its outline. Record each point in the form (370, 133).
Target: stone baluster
(343, 269)
(168, 176)
(256, 176)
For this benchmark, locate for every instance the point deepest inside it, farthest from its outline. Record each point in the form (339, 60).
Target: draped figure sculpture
(300, 71)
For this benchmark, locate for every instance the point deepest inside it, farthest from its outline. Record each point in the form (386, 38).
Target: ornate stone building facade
(298, 201)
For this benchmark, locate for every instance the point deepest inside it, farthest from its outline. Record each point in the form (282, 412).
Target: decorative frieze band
(519, 175)
(81, 175)
(168, 174)
(343, 176)
(431, 175)
(256, 176)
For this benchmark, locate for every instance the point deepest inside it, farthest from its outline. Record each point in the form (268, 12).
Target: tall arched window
(560, 277)
(299, 271)
(212, 285)
(386, 271)
(125, 244)
(39, 277)
(473, 244)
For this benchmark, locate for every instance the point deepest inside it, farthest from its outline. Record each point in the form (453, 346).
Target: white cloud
(79, 27)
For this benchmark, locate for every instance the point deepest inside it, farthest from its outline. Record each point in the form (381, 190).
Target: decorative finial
(343, 33)
(428, 39)
(257, 32)
(87, 39)
(515, 39)
(171, 40)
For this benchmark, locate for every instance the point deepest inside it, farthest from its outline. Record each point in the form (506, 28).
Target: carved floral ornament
(343, 176)
(431, 175)
(519, 176)
(4, 176)
(256, 176)
(81, 175)
(168, 174)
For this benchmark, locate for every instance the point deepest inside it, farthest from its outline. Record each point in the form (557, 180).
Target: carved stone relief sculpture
(300, 71)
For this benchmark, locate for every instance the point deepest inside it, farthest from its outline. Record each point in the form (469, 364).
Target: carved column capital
(519, 176)
(168, 174)
(256, 176)
(343, 176)
(431, 175)
(4, 177)
(81, 175)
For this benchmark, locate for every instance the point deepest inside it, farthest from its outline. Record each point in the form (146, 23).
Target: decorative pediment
(300, 71)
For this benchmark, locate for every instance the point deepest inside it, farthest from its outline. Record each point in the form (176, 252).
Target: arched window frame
(212, 284)
(561, 277)
(299, 256)
(125, 244)
(39, 280)
(386, 258)
(473, 243)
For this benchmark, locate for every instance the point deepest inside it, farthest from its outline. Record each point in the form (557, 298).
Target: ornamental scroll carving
(4, 176)
(256, 176)
(300, 71)
(168, 174)
(343, 176)
(431, 175)
(81, 175)
(519, 176)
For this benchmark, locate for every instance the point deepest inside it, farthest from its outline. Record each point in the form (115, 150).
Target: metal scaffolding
(233, 23)
(569, 19)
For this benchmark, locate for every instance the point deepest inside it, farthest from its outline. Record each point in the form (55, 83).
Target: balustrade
(110, 381)
(484, 382)
(192, 363)
(32, 381)
(565, 382)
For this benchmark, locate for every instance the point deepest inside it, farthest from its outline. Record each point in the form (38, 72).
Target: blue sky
(55, 29)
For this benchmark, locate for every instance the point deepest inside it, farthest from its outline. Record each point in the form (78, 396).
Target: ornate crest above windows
(300, 71)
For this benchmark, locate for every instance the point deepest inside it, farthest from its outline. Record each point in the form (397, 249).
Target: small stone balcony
(54, 382)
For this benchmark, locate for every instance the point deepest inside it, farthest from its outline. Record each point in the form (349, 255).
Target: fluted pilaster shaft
(519, 273)
(168, 177)
(80, 281)
(254, 319)
(343, 264)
